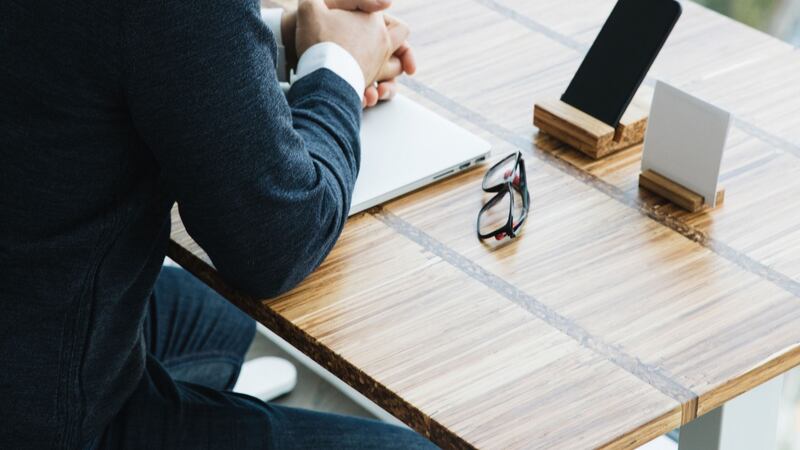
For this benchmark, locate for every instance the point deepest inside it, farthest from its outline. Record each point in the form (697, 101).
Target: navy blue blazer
(110, 112)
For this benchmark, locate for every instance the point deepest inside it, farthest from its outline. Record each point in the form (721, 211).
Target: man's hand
(368, 37)
(386, 87)
(401, 60)
(368, 6)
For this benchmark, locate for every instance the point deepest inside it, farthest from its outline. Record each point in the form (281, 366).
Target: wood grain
(567, 122)
(588, 134)
(434, 361)
(674, 192)
(616, 315)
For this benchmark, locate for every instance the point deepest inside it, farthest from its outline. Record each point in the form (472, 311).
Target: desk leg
(747, 422)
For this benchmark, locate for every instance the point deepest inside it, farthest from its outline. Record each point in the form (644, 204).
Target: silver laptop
(405, 146)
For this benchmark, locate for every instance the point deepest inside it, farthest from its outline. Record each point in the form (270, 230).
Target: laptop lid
(405, 146)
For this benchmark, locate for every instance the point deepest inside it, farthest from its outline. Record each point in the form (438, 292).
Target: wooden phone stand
(674, 192)
(589, 135)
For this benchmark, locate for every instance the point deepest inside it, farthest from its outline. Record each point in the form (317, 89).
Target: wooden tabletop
(615, 317)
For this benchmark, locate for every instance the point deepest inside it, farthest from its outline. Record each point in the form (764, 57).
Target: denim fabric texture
(110, 112)
(196, 335)
(195, 343)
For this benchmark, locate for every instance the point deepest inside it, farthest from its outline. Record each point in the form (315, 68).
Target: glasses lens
(495, 215)
(501, 173)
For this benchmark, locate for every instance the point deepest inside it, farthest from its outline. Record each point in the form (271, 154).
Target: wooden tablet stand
(588, 134)
(597, 139)
(674, 192)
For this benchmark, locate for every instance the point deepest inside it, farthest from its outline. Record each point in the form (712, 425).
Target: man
(110, 112)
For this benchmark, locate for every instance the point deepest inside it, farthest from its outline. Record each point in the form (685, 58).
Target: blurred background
(780, 18)
(789, 417)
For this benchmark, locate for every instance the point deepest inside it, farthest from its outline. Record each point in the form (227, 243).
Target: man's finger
(370, 96)
(398, 31)
(360, 5)
(313, 4)
(387, 90)
(392, 69)
(407, 59)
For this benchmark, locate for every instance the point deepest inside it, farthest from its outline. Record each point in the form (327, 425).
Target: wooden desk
(615, 317)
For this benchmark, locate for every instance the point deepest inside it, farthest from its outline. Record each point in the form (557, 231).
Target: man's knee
(192, 308)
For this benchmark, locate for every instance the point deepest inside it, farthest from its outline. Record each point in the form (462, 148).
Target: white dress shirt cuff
(272, 18)
(327, 55)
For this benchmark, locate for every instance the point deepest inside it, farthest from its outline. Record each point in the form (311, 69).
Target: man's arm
(277, 24)
(263, 185)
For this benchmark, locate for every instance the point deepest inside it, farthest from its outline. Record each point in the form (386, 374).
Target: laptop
(405, 146)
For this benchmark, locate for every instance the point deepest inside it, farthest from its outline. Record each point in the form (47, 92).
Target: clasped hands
(376, 40)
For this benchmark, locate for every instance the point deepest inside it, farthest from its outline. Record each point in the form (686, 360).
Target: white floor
(660, 443)
(312, 391)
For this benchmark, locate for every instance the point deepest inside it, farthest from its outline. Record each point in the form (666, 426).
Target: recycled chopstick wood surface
(616, 316)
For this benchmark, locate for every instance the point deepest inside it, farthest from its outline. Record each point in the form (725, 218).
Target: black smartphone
(620, 57)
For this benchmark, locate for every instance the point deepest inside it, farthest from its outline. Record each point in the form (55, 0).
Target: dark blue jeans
(196, 342)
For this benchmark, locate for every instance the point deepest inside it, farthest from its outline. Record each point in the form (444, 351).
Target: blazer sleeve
(263, 181)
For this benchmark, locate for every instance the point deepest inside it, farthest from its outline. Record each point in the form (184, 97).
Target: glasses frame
(521, 186)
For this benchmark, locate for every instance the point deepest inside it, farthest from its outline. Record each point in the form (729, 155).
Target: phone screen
(620, 57)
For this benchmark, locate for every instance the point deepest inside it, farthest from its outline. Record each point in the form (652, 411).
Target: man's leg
(196, 342)
(167, 414)
(196, 335)
(300, 429)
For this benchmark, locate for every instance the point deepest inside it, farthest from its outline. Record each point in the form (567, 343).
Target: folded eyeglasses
(503, 215)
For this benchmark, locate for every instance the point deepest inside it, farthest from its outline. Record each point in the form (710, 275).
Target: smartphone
(620, 57)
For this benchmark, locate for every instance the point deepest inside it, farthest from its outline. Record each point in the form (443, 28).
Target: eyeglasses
(503, 215)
